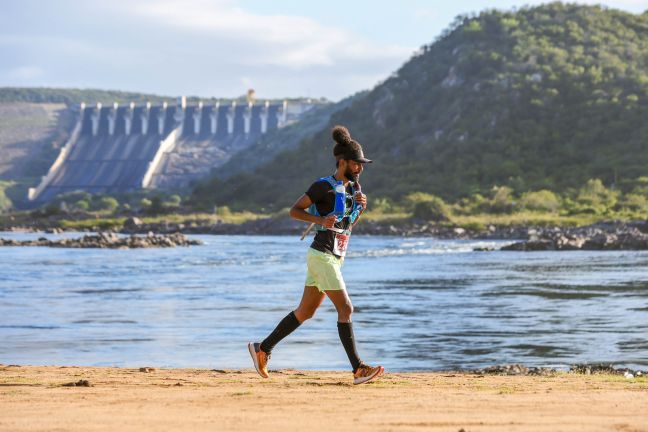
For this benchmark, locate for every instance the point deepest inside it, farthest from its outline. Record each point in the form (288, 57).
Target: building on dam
(118, 148)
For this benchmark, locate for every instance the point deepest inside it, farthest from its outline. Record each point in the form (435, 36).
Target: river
(420, 304)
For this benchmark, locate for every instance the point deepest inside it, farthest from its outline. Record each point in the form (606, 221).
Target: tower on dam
(119, 148)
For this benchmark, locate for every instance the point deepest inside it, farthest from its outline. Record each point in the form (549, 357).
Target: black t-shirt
(322, 194)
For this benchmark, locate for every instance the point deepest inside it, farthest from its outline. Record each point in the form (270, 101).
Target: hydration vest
(340, 209)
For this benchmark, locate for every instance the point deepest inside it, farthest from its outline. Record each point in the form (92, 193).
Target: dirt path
(34, 398)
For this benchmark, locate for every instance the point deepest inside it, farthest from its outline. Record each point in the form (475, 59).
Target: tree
(596, 198)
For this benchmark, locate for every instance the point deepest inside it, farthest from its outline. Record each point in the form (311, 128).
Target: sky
(221, 48)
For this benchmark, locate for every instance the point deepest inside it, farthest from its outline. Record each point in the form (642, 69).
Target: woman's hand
(361, 199)
(328, 221)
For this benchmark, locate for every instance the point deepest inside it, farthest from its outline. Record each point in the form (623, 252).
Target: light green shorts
(324, 271)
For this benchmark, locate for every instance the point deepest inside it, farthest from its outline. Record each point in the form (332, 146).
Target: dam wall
(120, 148)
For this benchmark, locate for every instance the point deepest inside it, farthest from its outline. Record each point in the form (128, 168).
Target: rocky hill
(542, 97)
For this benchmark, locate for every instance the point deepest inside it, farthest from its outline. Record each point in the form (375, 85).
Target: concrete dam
(115, 149)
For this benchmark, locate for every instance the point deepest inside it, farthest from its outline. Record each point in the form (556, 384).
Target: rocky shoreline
(108, 240)
(601, 236)
(286, 226)
(277, 226)
(608, 235)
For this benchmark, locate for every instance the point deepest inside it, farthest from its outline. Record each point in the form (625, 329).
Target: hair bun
(341, 135)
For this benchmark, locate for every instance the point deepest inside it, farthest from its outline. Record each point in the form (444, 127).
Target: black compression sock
(345, 331)
(283, 329)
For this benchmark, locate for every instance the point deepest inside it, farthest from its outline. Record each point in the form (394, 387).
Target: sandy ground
(120, 399)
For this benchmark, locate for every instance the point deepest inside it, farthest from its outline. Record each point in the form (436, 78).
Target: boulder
(132, 223)
(538, 245)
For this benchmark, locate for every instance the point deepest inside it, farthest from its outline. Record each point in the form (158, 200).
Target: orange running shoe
(259, 358)
(366, 373)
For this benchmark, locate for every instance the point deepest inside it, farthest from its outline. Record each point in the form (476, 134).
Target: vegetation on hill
(72, 96)
(539, 99)
(76, 96)
(501, 206)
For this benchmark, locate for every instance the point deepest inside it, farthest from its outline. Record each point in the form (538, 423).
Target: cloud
(280, 40)
(25, 73)
(194, 47)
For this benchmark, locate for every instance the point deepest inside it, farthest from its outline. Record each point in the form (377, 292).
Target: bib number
(340, 244)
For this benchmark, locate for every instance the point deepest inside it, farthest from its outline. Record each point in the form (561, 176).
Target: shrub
(501, 200)
(173, 201)
(416, 197)
(381, 205)
(634, 202)
(222, 211)
(471, 205)
(82, 205)
(107, 203)
(431, 210)
(542, 200)
(145, 203)
(641, 186)
(594, 197)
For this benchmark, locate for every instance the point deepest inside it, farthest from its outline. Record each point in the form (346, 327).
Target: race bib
(340, 244)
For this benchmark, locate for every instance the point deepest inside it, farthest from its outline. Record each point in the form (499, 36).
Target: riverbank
(106, 399)
(602, 236)
(605, 235)
(495, 228)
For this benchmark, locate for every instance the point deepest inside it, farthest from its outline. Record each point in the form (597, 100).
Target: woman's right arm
(298, 211)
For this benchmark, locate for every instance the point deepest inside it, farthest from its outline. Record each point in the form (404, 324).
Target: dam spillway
(115, 149)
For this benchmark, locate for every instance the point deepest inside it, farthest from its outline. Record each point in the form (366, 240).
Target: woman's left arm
(362, 200)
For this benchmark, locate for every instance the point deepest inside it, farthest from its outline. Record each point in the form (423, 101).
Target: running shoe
(366, 373)
(259, 358)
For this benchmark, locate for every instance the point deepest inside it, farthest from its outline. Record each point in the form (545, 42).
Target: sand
(34, 398)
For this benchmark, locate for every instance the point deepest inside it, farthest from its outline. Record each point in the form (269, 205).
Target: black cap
(356, 154)
(346, 147)
(353, 151)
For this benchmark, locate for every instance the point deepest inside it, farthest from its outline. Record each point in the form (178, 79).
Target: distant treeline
(91, 96)
(76, 96)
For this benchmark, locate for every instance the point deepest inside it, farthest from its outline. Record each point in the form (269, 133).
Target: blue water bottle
(340, 200)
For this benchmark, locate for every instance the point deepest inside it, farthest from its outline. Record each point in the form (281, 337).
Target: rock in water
(599, 236)
(110, 240)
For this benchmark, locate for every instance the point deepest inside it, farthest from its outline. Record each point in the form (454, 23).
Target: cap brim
(363, 160)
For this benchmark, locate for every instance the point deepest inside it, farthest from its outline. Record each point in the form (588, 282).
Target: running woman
(326, 255)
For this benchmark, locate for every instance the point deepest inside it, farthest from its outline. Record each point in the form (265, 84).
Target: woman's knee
(304, 314)
(345, 310)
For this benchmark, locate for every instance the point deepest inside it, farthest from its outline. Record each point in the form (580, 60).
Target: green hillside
(540, 98)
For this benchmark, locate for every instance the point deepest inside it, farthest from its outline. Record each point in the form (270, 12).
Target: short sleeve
(317, 191)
